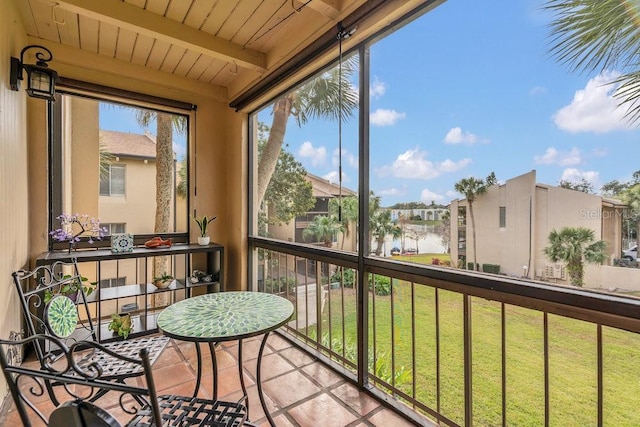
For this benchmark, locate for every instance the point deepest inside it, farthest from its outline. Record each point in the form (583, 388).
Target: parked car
(395, 251)
(631, 253)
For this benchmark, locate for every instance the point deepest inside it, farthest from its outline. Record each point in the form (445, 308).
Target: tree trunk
(575, 269)
(164, 183)
(271, 151)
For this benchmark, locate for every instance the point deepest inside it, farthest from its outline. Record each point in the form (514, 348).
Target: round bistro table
(226, 316)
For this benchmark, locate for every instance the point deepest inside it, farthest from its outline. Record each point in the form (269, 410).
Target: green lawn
(572, 358)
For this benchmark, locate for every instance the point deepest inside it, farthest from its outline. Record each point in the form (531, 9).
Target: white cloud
(593, 109)
(390, 192)
(458, 136)
(413, 164)
(347, 158)
(563, 158)
(332, 177)
(575, 176)
(537, 90)
(317, 156)
(428, 196)
(378, 88)
(382, 117)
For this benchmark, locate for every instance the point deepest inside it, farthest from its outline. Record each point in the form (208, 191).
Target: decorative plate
(62, 316)
(122, 242)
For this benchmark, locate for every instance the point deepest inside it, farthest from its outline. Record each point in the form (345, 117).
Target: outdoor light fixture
(41, 80)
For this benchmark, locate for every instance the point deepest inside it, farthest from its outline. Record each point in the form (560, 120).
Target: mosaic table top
(224, 316)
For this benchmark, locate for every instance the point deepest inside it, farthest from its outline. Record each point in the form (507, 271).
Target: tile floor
(299, 390)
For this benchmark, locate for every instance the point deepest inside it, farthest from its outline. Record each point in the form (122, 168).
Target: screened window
(113, 181)
(114, 228)
(503, 217)
(122, 163)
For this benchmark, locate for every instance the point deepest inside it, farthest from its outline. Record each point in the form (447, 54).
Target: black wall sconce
(41, 80)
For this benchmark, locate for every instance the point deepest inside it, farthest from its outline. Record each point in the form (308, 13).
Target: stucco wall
(14, 203)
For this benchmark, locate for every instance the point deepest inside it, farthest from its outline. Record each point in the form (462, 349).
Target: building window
(112, 181)
(114, 228)
(503, 216)
(113, 282)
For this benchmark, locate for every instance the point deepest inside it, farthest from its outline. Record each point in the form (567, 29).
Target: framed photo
(122, 242)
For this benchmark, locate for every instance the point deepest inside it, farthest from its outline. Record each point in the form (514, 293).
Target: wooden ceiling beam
(138, 20)
(329, 8)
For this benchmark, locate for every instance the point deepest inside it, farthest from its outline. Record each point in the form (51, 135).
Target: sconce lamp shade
(41, 80)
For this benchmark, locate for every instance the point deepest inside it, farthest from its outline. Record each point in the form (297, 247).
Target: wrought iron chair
(140, 405)
(48, 311)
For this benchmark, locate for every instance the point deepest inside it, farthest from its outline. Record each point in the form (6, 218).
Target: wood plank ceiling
(223, 43)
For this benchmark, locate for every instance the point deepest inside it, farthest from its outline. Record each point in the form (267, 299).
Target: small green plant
(203, 223)
(348, 277)
(274, 285)
(491, 268)
(71, 288)
(382, 285)
(121, 325)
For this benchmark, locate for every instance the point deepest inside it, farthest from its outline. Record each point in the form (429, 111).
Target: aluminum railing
(462, 348)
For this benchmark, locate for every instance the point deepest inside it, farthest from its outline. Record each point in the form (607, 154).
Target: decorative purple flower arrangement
(73, 227)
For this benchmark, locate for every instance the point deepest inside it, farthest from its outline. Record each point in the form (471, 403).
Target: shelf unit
(124, 280)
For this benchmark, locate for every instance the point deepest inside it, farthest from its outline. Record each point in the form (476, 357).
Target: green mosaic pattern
(62, 316)
(225, 316)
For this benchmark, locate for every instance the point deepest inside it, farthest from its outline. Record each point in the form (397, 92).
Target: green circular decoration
(62, 316)
(225, 316)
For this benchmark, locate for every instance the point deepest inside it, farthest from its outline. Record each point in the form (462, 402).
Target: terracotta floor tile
(322, 375)
(299, 391)
(314, 413)
(290, 388)
(278, 343)
(359, 402)
(297, 358)
(386, 417)
(272, 366)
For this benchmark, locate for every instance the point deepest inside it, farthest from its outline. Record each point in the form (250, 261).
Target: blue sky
(467, 89)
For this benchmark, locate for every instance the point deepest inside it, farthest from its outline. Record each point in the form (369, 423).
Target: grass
(572, 357)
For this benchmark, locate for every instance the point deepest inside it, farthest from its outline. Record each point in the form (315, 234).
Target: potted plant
(203, 224)
(162, 281)
(121, 325)
(71, 289)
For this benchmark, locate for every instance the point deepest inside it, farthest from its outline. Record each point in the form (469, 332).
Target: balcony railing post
(468, 359)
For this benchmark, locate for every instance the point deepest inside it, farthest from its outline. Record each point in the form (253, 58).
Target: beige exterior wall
(14, 172)
(532, 212)
(138, 205)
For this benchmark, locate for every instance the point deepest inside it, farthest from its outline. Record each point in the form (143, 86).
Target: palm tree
(381, 226)
(346, 210)
(574, 246)
(323, 229)
(592, 35)
(471, 188)
(165, 123)
(330, 95)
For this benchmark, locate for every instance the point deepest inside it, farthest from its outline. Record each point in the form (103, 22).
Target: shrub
(348, 277)
(470, 266)
(382, 285)
(435, 261)
(273, 285)
(491, 268)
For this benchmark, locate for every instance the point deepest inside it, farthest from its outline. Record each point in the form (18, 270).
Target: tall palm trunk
(271, 151)
(164, 179)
